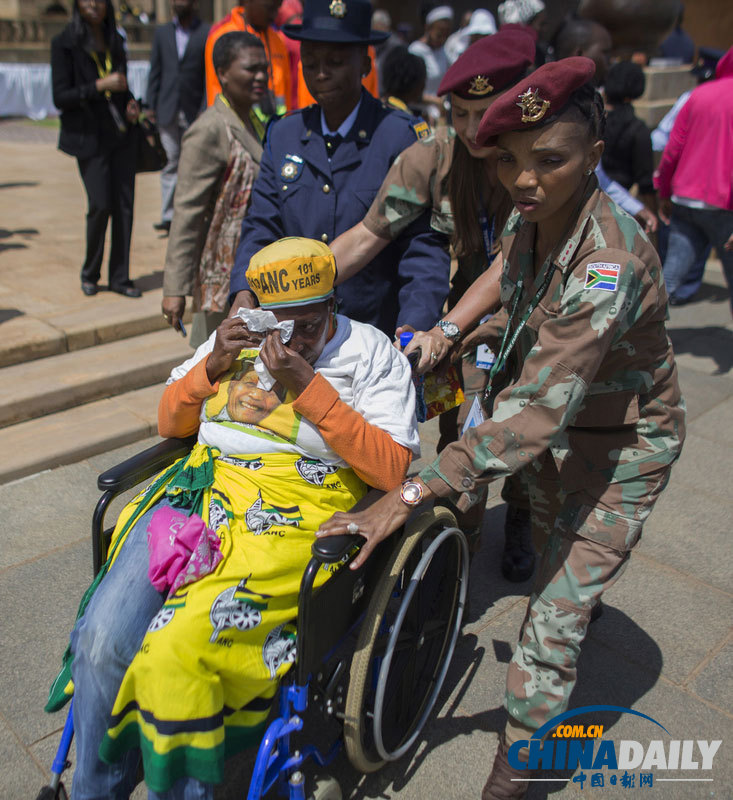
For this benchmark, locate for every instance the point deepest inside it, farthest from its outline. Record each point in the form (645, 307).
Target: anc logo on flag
(260, 517)
(602, 276)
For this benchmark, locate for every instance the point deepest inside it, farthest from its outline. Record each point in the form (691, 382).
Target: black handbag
(151, 156)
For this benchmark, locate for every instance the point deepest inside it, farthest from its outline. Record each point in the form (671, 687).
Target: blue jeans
(104, 642)
(691, 231)
(692, 283)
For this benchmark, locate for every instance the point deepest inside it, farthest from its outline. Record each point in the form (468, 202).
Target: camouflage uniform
(416, 181)
(593, 414)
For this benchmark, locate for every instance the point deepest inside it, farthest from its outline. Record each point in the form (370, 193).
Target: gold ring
(166, 318)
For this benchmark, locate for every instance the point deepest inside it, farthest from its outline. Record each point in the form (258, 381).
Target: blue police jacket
(298, 192)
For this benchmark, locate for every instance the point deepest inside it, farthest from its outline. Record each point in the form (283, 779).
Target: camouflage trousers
(585, 539)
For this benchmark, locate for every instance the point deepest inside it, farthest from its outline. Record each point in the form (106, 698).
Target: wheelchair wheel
(49, 793)
(325, 788)
(406, 641)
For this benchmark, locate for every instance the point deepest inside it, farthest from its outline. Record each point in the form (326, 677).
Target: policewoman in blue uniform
(323, 165)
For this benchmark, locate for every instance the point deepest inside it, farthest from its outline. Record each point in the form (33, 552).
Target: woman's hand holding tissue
(288, 368)
(232, 336)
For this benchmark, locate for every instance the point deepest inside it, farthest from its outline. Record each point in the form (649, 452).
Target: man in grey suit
(176, 90)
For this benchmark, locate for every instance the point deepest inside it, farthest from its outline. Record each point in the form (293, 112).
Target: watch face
(411, 493)
(450, 329)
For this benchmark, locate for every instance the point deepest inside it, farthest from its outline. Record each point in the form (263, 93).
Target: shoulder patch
(291, 168)
(601, 275)
(422, 129)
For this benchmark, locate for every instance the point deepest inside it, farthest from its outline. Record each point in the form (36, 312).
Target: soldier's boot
(517, 561)
(500, 785)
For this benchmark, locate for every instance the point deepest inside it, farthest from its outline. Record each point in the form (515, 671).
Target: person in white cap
(431, 48)
(481, 23)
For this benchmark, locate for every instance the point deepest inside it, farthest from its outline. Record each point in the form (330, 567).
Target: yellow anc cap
(294, 271)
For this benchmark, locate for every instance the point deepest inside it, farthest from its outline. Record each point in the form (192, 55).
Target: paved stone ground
(663, 647)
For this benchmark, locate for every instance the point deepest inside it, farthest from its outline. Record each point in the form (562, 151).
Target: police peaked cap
(337, 21)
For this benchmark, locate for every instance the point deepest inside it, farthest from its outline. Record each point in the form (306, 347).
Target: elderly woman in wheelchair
(295, 415)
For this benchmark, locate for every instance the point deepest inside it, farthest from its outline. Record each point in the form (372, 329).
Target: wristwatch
(411, 493)
(450, 330)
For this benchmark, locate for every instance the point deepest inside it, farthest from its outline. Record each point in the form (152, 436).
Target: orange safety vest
(277, 56)
(369, 82)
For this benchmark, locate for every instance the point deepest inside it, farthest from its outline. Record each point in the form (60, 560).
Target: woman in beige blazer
(220, 157)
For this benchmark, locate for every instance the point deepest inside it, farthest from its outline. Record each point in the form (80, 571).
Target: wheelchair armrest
(144, 465)
(334, 548)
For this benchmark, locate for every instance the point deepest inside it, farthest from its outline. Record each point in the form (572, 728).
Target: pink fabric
(182, 549)
(698, 159)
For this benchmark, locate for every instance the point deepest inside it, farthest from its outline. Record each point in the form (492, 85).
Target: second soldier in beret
(454, 178)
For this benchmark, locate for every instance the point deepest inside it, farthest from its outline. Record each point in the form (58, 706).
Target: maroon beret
(535, 100)
(518, 26)
(489, 65)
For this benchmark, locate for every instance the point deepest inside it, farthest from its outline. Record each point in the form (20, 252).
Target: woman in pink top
(695, 179)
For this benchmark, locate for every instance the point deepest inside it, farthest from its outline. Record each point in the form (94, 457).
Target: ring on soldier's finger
(166, 318)
(433, 357)
(352, 528)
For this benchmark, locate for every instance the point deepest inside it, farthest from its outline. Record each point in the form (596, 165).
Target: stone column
(162, 10)
(222, 8)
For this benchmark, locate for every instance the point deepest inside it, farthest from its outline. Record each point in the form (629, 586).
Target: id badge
(485, 357)
(475, 416)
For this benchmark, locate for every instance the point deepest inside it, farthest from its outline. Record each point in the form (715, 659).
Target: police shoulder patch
(422, 130)
(602, 275)
(291, 168)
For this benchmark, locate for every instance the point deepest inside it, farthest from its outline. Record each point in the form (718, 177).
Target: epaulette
(420, 128)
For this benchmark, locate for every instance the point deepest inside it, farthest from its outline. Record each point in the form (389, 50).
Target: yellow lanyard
(259, 128)
(104, 71)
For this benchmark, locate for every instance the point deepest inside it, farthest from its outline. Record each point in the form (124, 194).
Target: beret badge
(532, 105)
(337, 9)
(480, 86)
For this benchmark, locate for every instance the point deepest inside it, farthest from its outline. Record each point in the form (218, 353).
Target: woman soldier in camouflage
(454, 178)
(592, 412)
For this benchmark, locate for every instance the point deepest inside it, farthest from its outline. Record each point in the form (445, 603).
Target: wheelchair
(403, 609)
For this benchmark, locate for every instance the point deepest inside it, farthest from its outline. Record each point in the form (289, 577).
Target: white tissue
(259, 320)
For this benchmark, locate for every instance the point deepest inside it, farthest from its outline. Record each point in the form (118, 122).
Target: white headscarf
(482, 23)
(441, 12)
(521, 11)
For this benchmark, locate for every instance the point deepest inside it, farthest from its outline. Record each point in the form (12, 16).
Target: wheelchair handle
(414, 357)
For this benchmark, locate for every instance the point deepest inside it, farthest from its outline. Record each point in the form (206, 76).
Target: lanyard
(104, 71)
(487, 233)
(506, 346)
(255, 121)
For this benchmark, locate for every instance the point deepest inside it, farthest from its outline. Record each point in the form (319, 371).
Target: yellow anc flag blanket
(201, 685)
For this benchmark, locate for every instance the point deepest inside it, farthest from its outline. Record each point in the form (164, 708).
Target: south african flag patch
(602, 276)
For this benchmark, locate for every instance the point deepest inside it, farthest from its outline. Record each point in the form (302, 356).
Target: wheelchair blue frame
(275, 763)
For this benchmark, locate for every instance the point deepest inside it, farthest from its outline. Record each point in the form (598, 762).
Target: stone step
(77, 433)
(651, 112)
(667, 83)
(92, 321)
(59, 382)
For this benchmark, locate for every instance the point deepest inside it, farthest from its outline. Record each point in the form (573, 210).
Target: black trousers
(109, 180)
